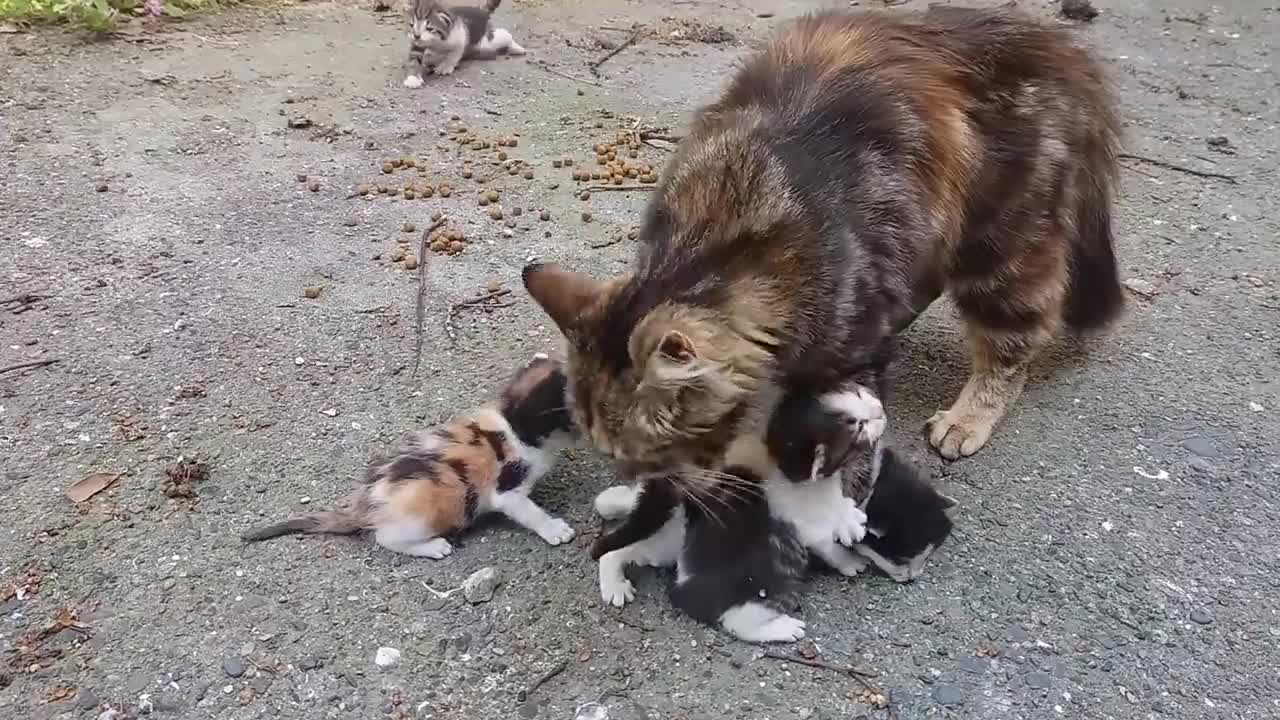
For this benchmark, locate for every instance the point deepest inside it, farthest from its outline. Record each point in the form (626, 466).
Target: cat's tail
(491, 5)
(1094, 295)
(333, 522)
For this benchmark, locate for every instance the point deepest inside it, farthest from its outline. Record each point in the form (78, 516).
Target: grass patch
(97, 15)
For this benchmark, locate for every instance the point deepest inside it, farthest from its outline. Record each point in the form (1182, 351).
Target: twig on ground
(31, 364)
(481, 302)
(1177, 168)
(635, 35)
(439, 595)
(566, 75)
(420, 311)
(619, 188)
(372, 310)
(543, 679)
(607, 243)
(856, 673)
(630, 623)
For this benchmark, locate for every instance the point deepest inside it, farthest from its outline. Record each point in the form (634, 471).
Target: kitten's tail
(491, 5)
(333, 522)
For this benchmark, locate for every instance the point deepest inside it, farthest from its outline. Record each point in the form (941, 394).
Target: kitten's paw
(435, 548)
(851, 525)
(861, 409)
(413, 81)
(444, 69)
(557, 532)
(615, 588)
(615, 502)
(784, 629)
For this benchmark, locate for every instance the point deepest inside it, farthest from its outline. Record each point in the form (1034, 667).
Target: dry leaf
(90, 485)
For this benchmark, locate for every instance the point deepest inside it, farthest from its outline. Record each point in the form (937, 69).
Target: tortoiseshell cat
(853, 169)
(440, 36)
(437, 482)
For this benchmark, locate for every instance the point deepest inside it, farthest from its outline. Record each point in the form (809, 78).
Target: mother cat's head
(659, 384)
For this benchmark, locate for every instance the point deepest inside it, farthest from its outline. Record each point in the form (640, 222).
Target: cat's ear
(675, 357)
(950, 506)
(563, 294)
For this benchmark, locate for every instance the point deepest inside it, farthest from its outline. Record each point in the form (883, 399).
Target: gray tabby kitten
(440, 36)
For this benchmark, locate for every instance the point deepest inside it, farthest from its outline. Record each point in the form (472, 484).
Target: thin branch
(620, 188)
(857, 674)
(32, 364)
(566, 75)
(420, 311)
(635, 35)
(607, 243)
(1178, 168)
(481, 301)
(544, 678)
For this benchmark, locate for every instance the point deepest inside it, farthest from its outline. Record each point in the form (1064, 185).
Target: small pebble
(557, 163)
(581, 92)
(314, 187)
(492, 195)
(102, 187)
(480, 585)
(948, 694)
(544, 215)
(385, 657)
(586, 217)
(528, 174)
(311, 292)
(410, 262)
(299, 361)
(517, 211)
(436, 215)
(495, 213)
(302, 177)
(585, 195)
(233, 667)
(1200, 616)
(466, 173)
(408, 227)
(445, 191)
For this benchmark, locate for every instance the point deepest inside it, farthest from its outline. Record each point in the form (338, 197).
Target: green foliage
(94, 15)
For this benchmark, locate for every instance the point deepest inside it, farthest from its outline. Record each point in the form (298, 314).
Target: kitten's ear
(950, 506)
(563, 294)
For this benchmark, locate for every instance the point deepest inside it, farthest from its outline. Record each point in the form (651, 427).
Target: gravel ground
(1117, 555)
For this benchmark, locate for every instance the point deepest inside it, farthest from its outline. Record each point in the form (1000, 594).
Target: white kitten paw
(861, 409)
(615, 588)
(784, 629)
(413, 81)
(851, 525)
(615, 502)
(444, 69)
(557, 532)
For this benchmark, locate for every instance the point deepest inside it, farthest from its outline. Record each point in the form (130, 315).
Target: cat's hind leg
(411, 538)
(500, 42)
(758, 623)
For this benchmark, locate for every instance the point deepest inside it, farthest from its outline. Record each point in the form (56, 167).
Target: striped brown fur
(853, 170)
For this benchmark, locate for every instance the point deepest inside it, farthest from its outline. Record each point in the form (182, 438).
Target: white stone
(386, 657)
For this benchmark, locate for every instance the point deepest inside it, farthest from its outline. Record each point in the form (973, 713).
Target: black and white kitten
(907, 518)
(440, 36)
(741, 549)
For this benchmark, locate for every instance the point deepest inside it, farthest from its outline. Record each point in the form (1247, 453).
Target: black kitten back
(906, 515)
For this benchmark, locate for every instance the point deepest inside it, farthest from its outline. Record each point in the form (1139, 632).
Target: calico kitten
(440, 36)
(853, 169)
(437, 482)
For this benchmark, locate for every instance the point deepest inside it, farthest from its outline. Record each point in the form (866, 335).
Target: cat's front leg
(841, 559)
(450, 61)
(526, 513)
(851, 523)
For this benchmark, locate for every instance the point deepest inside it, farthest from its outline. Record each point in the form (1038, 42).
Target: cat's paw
(861, 409)
(444, 69)
(784, 629)
(615, 588)
(851, 524)
(413, 81)
(556, 532)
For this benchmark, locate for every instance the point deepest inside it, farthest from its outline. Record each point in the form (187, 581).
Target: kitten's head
(533, 403)
(429, 23)
(808, 441)
(657, 385)
(907, 517)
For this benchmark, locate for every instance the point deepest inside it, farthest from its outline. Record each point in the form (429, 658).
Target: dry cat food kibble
(302, 177)
(410, 262)
(586, 217)
(445, 191)
(408, 227)
(544, 215)
(466, 173)
(311, 292)
(495, 213)
(492, 196)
